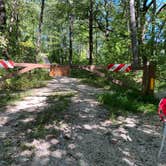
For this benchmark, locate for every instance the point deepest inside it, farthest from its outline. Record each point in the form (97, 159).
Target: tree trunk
(153, 27)
(71, 20)
(13, 31)
(133, 30)
(145, 76)
(2, 16)
(91, 33)
(14, 16)
(38, 43)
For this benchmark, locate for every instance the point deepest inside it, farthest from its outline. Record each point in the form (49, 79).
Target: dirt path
(63, 125)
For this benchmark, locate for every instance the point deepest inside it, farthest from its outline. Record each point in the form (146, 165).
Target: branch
(145, 7)
(161, 9)
(100, 25)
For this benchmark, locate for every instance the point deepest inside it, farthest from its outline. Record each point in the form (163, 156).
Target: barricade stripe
(110, 66)
(4, 65)
(128, 69)
(10, 65)
(120, 66)
(11, 62)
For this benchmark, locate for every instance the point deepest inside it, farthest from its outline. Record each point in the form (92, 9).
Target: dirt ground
(80, 135)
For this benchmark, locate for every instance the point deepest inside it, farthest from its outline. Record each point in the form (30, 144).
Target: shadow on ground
(63, 125)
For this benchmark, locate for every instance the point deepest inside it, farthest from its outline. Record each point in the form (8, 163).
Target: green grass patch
(122, 102)
(14, 89)
(90, 78)
(33, 79)
(132, 80)
(50, 115)
(160, 85)
(119, 100)
(9, 97)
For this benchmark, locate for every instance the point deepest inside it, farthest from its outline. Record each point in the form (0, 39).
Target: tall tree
(153, 27)
(102, 16)
(2, 15)
(71, 20)
(13, 27)
(133, 29)
(91, 32)
(38, 43)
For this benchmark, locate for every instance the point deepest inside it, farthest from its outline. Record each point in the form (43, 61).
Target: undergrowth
(14, 89)
(44, 121)
(122, 102)
(119, 100)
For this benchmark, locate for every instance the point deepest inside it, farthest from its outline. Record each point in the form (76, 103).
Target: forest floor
(63, 124)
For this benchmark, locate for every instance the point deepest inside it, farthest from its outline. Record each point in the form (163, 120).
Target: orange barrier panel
(56, 70)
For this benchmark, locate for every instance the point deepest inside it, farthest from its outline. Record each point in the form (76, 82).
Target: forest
(94, 116)
(85, 32)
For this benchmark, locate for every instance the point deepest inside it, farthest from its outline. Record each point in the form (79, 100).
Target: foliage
(3, 42)
(118, 100)
(14, 89)
(91, 79)
(111, 35)
(23, 82)
(123, 101)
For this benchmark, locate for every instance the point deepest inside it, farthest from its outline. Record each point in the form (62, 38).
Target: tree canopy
(82, 32)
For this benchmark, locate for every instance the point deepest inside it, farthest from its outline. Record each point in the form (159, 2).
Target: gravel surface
(81, 135)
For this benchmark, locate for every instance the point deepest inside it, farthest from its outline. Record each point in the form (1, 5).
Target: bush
(33, 79)
(128, 101)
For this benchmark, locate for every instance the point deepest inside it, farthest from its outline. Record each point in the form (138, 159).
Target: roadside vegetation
(121, 100)
(18, 87)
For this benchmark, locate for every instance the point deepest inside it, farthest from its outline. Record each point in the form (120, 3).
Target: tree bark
(13, 28)
(14, 17)
(91, 33)
(2, 15)
(38, 43)
(133, 30)
(153, 27)
(71, 20)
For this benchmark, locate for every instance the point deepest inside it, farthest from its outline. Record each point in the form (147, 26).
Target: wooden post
(148, 81)
(151, 80)
(145, 76)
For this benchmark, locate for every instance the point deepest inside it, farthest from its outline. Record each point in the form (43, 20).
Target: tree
(133, 29)
(71, 20)
(91, 32)
(103, 16)
(2, 15)
(38, 43)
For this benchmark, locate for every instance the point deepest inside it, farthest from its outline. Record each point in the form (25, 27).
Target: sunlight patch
(58, 153)
(3, 120)
(130, 163)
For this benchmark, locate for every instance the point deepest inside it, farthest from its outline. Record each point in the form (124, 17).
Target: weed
(123, 102)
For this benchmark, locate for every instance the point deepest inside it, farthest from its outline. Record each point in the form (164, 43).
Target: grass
(121, 101)
(50, 115)
(161, 85)
(15, 88)
(124, 102)
(9, 97)
(90, 79)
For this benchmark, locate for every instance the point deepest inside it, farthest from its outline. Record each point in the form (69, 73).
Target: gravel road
(80, 135)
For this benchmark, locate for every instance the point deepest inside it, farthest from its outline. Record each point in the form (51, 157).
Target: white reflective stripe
(124, 67)
(114, 67)
(1, 66)
(161, 101)
(9, 64)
